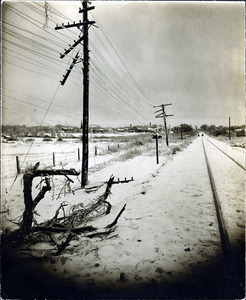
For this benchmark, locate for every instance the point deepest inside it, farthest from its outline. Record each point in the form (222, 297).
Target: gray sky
(190, 54)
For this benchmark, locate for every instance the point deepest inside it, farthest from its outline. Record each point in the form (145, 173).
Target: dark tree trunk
(30, 204)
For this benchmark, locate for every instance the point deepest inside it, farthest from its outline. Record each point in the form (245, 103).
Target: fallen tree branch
(68, 226)
(64, 244)
(54, 239)
(69, 179)
(64, 229)
(54, 219)
(92, 235)
(41, 194)
(116, 219)
(58, 228)
(43, 173)
(108, 208)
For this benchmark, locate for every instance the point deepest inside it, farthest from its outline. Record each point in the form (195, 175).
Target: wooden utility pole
(162, 114)
(229, 128)
(85, 24)
(85, 146)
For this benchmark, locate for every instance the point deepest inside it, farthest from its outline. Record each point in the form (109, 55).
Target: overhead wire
(116, 94)
(118, 65)
(37, 99)
(108, 40)
(32, 59)
(38, 106)
(119, 84)
(20, 28)
(119, 91)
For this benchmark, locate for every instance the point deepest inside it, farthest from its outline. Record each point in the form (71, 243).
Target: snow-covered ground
(166, 237)
(230, 185)
(233, 148)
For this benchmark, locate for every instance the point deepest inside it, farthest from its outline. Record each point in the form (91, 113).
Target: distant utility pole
(162, 114)
(85, 25)
(229, 128)
(156, 137)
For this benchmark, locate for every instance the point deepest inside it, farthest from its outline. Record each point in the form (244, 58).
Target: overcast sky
(143, 54)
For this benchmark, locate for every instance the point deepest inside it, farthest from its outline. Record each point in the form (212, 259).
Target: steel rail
(232, 259)
(240, 165)
(225, 242)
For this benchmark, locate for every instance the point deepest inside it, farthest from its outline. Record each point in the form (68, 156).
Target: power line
(38, 99)
(148, 102)
(38, 106)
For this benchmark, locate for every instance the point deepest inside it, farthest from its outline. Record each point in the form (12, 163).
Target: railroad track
(235, 161)
(228, 205)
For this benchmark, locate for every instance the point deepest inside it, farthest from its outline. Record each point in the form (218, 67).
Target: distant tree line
(35, 131)
(54, 131)
(183, 128)
(220, 130)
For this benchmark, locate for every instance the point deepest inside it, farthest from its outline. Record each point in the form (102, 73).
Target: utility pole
(85, 39)
(229, 128)
(85, 146)
(162, 114)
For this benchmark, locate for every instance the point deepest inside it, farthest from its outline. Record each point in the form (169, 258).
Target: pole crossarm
(162, 105)
(158, 110)
(70, 68)
(85, 9)
(85, 24)
(72, 47)
(162, 114)
(74, 25)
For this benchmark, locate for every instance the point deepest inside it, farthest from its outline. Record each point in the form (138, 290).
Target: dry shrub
(131, 153)
(113, 149)
(175, 149)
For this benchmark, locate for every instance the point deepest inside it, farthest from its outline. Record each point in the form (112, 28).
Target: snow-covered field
(166, 242)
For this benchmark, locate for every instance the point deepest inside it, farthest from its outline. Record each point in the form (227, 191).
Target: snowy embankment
(236, 150)
(168, 233)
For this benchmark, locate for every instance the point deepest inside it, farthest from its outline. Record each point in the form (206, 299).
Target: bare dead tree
(30, 204)
(67, 226)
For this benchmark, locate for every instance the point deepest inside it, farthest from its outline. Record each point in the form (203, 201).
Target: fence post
(17, 165)
(95, 150)
(118, 146)
(78, 155)
(54, 161)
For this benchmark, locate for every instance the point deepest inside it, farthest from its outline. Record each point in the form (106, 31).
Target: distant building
(67, 129)
(47, 135)
(95, 129)
(240, 132)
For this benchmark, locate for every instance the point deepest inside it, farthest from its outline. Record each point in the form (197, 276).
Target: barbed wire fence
(10, 164)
